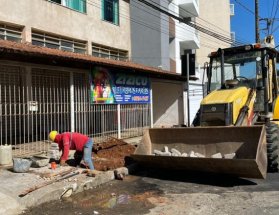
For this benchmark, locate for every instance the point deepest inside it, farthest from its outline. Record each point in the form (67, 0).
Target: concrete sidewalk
(13, 184)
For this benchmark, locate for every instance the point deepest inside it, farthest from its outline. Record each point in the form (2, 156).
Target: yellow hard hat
(52, 135)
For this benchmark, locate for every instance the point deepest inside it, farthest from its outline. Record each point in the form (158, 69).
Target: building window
(110, 11)
(57, 42)
(10, 33)
(233, 37)
(109, 53)
(231, 10)
(79, 5)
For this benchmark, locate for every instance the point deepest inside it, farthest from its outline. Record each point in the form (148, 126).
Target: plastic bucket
(21, 164)
(5, 154)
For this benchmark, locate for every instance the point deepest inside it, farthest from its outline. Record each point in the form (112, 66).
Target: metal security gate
(12, 91)
(49, 105)
(36, 101)
(33, 102)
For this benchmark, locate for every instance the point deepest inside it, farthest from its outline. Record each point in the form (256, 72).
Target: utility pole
(257, 21)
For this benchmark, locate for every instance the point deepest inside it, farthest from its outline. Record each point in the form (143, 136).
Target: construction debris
(112, 154)
(60, 172)
(192, 154)
(157, 152)
(199, 155)
(217, 155)
(174, 152)
(166, 149)
(230, 156)
(25, 192)
(53, 152)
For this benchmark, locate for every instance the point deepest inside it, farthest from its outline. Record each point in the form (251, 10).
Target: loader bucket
(248, 142)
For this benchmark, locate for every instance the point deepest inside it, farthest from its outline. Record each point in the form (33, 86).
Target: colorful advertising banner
(118, 87)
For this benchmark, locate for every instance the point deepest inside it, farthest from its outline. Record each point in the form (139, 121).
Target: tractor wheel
(272, 139)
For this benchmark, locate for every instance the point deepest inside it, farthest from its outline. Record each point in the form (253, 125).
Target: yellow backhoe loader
(240, 115)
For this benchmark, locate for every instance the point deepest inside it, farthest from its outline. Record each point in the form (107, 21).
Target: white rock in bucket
(217, 155)
(230, 156)
(184, 155)
(166, 149)
(192, 154)
(199, 155)
(157, 152)
(174, 151)
(165, 154)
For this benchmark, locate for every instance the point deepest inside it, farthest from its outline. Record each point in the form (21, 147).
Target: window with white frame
(109, 53)
(10, 33)
(58, 42)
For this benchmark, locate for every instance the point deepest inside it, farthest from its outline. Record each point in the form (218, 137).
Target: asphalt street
(165, 192)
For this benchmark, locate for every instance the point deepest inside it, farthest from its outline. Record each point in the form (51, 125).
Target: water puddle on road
(117, 197)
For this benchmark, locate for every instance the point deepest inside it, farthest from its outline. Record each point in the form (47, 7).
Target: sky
(243, 22)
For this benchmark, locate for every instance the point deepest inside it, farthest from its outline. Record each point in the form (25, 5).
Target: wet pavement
(172, 192)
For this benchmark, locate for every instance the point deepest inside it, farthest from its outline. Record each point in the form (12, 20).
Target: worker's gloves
(63, 163)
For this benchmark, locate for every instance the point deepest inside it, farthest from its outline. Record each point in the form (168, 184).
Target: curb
(56, 190)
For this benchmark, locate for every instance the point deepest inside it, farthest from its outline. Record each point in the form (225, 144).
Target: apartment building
(64, 65)
(93, 27)
(159, 40)
(214, 15)
(183, 38)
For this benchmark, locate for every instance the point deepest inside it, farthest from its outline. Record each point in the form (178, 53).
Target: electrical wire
(199, 18)
(246, 8)
(148, 26)
(196, 26)
(276, 10)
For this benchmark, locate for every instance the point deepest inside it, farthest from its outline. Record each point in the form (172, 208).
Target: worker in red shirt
(73, 141)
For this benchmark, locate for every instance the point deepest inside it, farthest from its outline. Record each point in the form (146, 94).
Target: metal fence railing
(36, 101)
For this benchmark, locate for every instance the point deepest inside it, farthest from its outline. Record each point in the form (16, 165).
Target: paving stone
(174, 151)
(199, 155)
(192, 154)
(166, 149)
(166, 154)
(230, 156)
(157, 152)
(217, 155)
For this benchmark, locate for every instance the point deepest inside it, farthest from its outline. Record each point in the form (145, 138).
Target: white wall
(167, 103)
(54, 18)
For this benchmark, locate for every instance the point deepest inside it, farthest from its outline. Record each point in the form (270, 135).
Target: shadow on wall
(167, 103)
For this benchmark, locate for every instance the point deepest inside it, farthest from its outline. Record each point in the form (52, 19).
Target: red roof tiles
(29, 49)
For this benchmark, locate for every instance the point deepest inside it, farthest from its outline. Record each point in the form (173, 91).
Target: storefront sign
(118, 87)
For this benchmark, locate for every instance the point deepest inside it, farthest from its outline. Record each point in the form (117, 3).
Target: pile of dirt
(112, 154)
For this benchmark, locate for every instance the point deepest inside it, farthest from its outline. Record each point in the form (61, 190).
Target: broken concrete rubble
(174, 151)
(166, 149)
(217, 155)
(166, 154)
(192, 154)
(199, 155)
(157, 152)
(230, 156)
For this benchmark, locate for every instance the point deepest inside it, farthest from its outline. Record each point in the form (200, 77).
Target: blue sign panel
(118, 87)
